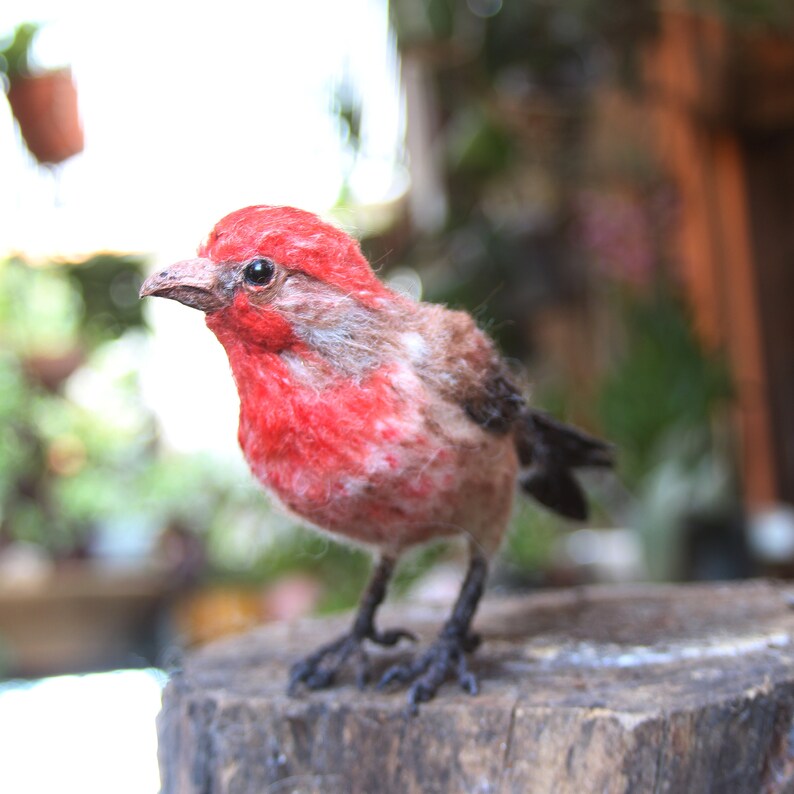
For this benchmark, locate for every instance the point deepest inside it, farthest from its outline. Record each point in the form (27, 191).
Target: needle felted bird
(374, 417)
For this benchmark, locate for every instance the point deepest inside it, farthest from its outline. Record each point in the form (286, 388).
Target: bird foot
(428, 671)
(319, 669)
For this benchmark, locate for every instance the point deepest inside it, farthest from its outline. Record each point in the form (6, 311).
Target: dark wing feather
(549, 450)
(552, 450)
(497, 404)
(541, 435)
(556, 488)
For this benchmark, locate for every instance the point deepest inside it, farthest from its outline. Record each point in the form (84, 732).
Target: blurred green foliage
(663, 384)
(108, 287)
(510, 84)
(750, 13)
(64, 464)
(665, 403)
(15, 50)
(531, 543)
(55, 308)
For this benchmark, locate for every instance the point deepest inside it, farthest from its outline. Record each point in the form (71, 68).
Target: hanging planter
(44, 104)
(45, 107)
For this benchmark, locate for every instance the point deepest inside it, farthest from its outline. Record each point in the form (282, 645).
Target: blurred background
(607, 186)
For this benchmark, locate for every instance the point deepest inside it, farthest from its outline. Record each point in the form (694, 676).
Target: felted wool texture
(385, 421)
(352, 397)
(298, 240)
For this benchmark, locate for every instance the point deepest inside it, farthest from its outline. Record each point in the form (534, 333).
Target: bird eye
(259, 272)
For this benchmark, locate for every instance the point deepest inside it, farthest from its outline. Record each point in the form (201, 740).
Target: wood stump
(643, 689)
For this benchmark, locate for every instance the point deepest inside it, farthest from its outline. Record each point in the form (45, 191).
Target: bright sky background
(191, 111)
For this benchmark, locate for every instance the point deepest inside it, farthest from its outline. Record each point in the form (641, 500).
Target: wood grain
(657, 689)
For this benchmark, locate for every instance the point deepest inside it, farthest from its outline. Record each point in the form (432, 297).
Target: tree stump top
(651, 688)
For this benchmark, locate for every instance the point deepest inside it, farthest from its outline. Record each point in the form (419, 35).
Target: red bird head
(275, 278)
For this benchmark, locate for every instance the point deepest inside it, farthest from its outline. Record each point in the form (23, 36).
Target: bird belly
(421, 485)
(385, 464)
(438, 490)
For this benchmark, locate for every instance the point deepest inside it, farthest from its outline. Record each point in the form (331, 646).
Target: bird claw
(319, 669)
(428, 671)
(393, 636)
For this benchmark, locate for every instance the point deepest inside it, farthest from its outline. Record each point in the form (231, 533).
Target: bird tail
(550, 451)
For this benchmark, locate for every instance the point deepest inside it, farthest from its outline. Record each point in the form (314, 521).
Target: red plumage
(293, 235)
(369, 415)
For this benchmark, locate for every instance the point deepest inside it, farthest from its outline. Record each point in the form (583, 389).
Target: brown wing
(549, 451)
(465, 368)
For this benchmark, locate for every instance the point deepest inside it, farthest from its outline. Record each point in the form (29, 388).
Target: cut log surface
(643, 689)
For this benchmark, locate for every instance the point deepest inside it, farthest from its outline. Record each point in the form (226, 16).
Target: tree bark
(658, 689)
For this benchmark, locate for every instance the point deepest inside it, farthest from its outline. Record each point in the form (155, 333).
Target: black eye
(259, 272)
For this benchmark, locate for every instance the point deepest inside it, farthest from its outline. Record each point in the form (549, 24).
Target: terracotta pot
(45, 107)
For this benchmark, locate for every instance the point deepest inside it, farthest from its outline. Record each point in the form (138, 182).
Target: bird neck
(289, 426)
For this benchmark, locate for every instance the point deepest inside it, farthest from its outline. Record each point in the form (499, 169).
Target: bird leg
(447, 655)
(319, 669)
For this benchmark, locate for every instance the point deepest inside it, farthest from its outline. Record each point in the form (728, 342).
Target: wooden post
(724, 105)
(646, 689)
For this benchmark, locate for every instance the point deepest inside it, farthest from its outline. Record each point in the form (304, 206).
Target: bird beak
(193, 282)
